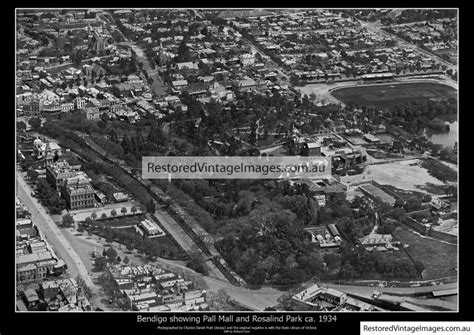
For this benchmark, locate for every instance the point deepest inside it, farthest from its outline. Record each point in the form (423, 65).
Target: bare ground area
(399, 174)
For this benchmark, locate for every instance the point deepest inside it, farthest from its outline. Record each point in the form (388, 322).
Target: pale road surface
(54, 235)
(158, 86)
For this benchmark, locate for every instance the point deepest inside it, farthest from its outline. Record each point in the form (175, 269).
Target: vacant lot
(385, 96)
(401, 174)
(439, 259)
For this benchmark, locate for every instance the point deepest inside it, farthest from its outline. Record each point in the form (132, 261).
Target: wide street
(53, 234)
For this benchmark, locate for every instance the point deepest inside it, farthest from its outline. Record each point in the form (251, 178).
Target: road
(157, 86)
(53, 234)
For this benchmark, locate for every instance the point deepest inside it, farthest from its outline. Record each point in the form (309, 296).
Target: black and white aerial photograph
(252, 160)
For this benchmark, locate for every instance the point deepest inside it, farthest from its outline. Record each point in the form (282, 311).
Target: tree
(133, 209)
(67, 220)
(197, 263)
(83, 286)
(94, 215)
(32, 174)
(87, 221)
(100, 263)
(150, 206)
(35, 123)
(126, 145)
(119, 259)
(113, 136)
(123, 210)
(111, 254)
(21, 126)
(220, 301)
(113, 212)
(103, 216)
(183, 52)
(77, 59)
(126, 260)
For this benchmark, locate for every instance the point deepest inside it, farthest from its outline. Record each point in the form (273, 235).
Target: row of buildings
(40, 272)
(62, 295)
(149, 288)
(324, 45)
(35, 258)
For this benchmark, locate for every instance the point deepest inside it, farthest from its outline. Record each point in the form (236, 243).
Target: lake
(445, 139)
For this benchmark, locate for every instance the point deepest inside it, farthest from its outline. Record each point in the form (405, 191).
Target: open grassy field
(385, 96)
(438, 258)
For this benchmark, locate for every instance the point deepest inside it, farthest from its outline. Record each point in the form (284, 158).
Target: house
(376, 240)
(246, 84)
(397, 147)
(128, 89)
(80, 103)
(66, 107)
(31, 297)
(371, 138)
(206, 79)
(196, 89)
(94, 70)
(247, 59)
(48, 149)
(180, 84)
(93, 113)
(187, 65)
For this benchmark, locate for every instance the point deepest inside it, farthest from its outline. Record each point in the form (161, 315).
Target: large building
(58, 172)
(46, 150)
(77, 192)
(34, 266)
